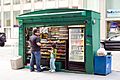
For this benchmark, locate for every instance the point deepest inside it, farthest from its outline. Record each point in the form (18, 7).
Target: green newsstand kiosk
(83, 32)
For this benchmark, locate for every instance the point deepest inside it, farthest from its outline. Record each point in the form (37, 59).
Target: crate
(58, 66)
(102, 65)
(16, 62)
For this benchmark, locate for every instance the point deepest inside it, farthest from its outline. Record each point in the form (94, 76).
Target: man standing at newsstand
(35, 50)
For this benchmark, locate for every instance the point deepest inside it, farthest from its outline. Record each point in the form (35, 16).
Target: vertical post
(92, 40)
(21, 41)
(89, 47)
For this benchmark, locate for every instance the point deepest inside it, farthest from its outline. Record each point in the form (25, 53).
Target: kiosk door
(76, 60)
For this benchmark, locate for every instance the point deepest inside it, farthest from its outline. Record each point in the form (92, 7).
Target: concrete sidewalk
(6, 73)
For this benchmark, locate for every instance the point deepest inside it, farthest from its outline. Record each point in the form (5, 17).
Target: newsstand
(75, 31)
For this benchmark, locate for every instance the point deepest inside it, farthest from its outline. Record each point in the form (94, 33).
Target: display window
(48, 36)
(113, 28)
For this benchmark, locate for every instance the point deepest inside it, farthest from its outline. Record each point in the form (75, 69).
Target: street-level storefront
(113, 22)
(75, 31)
(113, 32)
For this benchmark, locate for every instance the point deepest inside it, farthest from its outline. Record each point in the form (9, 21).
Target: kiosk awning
(52, 13)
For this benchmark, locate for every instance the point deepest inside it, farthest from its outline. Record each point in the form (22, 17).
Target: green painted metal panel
(96, 31)
(57, 24)
(21, 41)
(92, 41)
(89, 64)
(52, 20)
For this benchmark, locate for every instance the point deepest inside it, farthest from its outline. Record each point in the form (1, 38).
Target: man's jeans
(35, 58)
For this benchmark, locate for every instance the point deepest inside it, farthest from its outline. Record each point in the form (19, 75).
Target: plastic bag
(101, 52)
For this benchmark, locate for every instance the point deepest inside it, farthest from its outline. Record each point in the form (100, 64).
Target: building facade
(112, 17)
(9, 9)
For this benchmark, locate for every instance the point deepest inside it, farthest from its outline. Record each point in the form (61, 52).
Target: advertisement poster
(76, 47)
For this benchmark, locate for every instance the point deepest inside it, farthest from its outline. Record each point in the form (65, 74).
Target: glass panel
(26, 11)
(76, 44)
(26, 1)
(6, 2)
(36, 9)
(112, 4)
(15, 33)
(15, 21)
(38, 0)
(7, 21)
(16, 1)
(8, 32)
(0, 2)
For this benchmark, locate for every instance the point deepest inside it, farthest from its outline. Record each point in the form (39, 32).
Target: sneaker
(39, 70)
(52, 70)
(31, 70)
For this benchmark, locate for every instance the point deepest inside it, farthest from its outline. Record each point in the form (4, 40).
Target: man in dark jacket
(35, 50)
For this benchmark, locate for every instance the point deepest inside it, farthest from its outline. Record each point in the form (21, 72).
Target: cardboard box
(16, 62)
